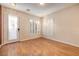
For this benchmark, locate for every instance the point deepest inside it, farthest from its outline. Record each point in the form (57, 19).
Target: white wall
(66, 25)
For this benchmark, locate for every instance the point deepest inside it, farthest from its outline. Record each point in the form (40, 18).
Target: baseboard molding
(30, 39)
(19, 41)
(68, 43)
(8, 43)
(55, 39)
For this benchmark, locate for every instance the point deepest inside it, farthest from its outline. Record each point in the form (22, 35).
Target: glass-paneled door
(13, 28)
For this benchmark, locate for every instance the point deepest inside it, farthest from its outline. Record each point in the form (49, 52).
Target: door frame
(18, 32)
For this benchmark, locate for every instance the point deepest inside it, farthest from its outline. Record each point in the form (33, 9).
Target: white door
(13, 28)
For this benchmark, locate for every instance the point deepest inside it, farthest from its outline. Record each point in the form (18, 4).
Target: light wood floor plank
(38, 47)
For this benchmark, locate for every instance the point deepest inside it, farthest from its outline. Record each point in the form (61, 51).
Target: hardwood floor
(38, 47)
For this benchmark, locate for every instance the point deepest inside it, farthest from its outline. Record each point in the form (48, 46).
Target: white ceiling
(37, 9)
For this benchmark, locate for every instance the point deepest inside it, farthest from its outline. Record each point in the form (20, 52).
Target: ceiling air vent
(28, 10)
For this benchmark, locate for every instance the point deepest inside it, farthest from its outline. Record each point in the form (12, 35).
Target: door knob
(18, 29)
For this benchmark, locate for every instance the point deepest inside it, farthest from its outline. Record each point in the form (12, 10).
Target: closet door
(34, 27)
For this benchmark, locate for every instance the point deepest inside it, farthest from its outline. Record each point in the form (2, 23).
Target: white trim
(61, 41)
(30, 39)
(47, 38)
(18, 41)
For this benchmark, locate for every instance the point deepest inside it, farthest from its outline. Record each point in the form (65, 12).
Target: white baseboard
(20, 40)
(30, 38)
(55, 39)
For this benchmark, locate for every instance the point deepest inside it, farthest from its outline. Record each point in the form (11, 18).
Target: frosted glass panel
(12, 27)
